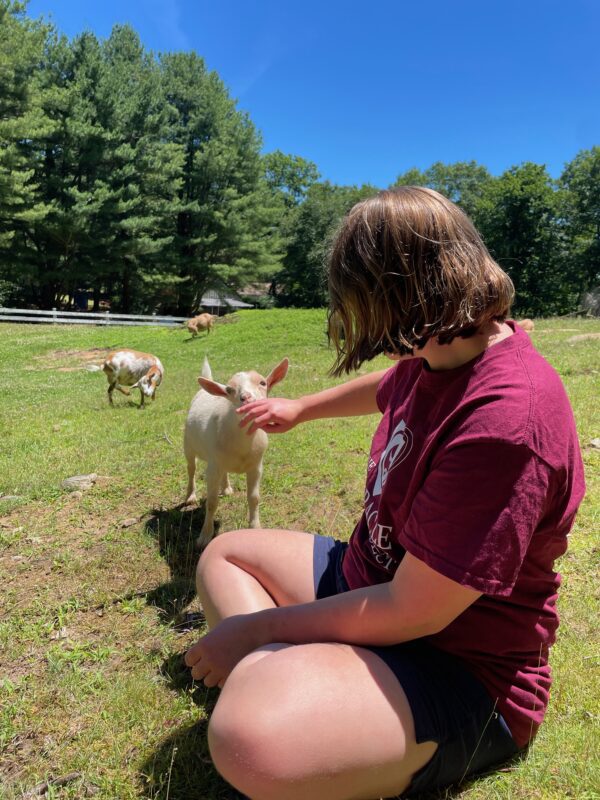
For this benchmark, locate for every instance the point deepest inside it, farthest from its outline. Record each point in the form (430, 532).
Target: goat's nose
(244, 397)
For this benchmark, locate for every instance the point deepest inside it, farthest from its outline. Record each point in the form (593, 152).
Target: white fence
(86, 317)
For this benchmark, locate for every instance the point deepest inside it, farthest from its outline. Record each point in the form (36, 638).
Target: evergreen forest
(135, 177)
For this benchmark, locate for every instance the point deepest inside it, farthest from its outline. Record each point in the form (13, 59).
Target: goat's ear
(206, 370)
(212, 387)
(278, 373)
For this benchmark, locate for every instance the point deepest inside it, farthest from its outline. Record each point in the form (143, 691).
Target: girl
(417, 653)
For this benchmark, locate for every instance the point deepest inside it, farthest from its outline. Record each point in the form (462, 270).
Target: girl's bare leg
(315, 722)
(249, 570)
(302, 722)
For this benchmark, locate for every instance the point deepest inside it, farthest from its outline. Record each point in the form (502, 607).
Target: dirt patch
(18, 751)
(70, 360)
(91, 611)
(552, 331)
(83, 355)
(583, 337)
(47, 558)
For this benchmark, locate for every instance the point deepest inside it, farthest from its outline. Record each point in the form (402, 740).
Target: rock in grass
(79, 482)
(595, 443)
(8, 497)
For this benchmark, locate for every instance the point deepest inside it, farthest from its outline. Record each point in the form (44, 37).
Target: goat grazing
(213, 433)
(137, 370)
(526, 324)
(201, 322)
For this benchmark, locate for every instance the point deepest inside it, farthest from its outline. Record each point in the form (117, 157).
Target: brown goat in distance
(201, 322)
(526, 324)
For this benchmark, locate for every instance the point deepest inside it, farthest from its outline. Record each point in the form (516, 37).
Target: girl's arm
(417, 602)
(278, 414)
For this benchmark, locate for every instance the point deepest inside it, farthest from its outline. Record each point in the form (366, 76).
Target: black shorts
(449, 705)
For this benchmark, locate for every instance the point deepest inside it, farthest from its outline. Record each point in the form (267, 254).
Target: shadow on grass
(120, 405)
(454, 792)
(181, 768)
(176, 530)
(192, 339)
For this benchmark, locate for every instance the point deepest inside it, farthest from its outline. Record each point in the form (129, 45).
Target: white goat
(130, 368)
(213, 433)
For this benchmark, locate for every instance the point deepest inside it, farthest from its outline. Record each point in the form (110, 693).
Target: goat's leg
(253, 477)
(226, 487)
(142, 398)
(121, 389)
(214, 477)
(191, 487)
(111, 388)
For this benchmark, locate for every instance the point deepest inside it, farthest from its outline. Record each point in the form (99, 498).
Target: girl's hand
(217, 653)
(277, 415)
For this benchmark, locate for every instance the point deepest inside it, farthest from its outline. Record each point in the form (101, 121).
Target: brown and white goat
(213, 434)
(134, 369)
(201, 322)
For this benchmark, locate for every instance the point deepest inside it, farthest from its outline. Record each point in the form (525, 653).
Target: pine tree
(135, 194)
(22, 121)
(226, 225)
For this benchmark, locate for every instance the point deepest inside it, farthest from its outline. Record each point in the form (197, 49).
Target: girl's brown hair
(405, 266)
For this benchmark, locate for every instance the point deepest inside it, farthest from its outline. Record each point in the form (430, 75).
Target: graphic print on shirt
(397, 449)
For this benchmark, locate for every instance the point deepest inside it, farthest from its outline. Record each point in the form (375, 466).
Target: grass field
(97, 603)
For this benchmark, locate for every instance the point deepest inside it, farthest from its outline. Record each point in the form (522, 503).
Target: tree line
(136, 177)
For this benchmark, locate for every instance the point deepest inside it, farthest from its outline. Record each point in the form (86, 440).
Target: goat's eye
(263, 383)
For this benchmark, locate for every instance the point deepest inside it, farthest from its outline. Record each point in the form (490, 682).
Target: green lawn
(97, 589)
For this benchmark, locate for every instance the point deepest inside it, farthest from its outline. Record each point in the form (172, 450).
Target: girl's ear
(278, 373)
(212, 387)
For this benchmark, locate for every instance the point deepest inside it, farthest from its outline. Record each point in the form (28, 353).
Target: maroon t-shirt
(477, 472)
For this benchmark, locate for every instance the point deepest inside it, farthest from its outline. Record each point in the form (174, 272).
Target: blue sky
(368, 90)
